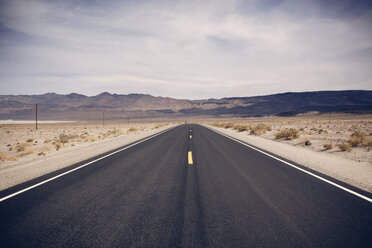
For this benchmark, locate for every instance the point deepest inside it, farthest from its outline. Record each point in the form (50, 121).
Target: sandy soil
(353, 167)
(26, 153)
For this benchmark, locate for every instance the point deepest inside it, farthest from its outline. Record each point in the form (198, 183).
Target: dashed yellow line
(190, 136)
(190, 158)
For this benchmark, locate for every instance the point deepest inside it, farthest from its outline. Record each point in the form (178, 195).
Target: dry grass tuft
(328, 146)
(6, 157)
(241, 128)
(64, 138)
(90, 138)
(22, 147)
(57, 145)
(112, 132)
(132, 129)
(259, 129)
(359, 138)
(288, 134)
(344, 147)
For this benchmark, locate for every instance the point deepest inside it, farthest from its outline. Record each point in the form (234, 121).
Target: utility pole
(36, 116)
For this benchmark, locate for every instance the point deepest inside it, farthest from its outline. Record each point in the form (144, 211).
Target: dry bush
(90, 138)
(6, 157)
(30, 140)
(328, 146)
(288, 134)
(223, 125)
(57, 145)
(43, 149)
(216, 124)
(112, 132)
(132, 129)
(227, 125)
(259, 129)
(64, 138)
(344, 147)
(241, 128)
(160, 125)
(84, 134)
(47, 141)
(359, 138)
(22, 147)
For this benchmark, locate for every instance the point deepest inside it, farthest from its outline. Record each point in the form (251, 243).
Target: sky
(185, 49)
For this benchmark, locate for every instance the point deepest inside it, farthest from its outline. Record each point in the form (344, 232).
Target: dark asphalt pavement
(148, 196)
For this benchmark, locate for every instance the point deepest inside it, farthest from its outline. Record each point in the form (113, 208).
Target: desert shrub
(259, 129)
(328, 146)
(359, 138)
(47, 141)
(112, 132)
(132, 129)
(84, 134)
(227, 125)
(57, 145)
(288, 134)
(344, 147)
(241, 128)
(64, 138)
(90, 138)
(22, 147)
(30, 140)
(216, 124)
(4, 157)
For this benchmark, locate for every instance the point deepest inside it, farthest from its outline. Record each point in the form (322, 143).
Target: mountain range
(80, 107)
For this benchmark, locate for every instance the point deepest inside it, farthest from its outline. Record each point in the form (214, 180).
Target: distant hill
(81, 107)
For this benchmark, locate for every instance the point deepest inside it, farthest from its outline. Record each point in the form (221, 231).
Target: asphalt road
(149, 196)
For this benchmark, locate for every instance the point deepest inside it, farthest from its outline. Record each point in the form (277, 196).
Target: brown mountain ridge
(80, 107)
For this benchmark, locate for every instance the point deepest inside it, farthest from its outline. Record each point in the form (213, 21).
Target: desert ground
(22, 142)
(348, 136)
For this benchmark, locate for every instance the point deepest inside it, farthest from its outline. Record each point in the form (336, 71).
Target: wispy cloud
(185, 49)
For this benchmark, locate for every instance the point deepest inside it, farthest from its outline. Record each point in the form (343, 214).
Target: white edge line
(296, 167)
(81, 166)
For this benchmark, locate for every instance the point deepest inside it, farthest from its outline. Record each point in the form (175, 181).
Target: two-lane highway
(150, 195)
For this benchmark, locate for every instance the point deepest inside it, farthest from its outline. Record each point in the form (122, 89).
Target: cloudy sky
(184, 49)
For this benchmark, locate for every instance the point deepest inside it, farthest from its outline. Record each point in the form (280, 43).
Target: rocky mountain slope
(77, 106)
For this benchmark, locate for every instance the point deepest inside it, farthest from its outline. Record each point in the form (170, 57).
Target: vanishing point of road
(186, 187)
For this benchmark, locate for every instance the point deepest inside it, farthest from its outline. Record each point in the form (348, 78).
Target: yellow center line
(190, 158)
(190, 136)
